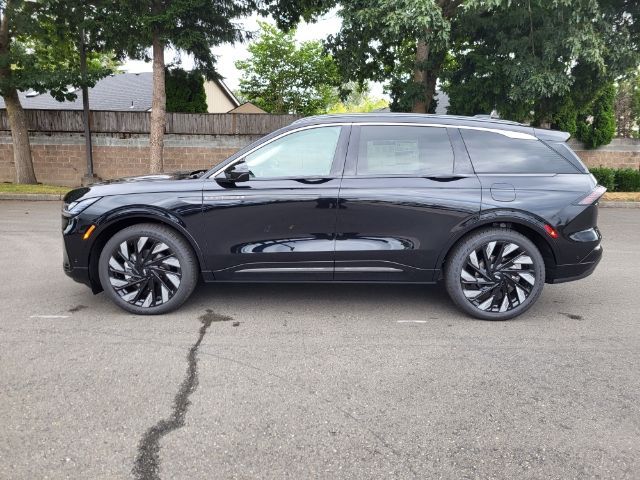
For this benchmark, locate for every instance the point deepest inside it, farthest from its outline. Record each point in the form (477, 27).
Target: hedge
(617, 179)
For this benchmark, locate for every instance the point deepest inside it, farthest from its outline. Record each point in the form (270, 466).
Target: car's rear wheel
(148, 269)
(495, 274)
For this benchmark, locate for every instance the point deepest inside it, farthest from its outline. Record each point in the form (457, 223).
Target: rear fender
(504, 217)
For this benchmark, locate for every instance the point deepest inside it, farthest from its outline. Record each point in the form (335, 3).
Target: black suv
(494, 209)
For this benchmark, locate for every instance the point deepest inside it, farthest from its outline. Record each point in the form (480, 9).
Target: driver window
(307, 153)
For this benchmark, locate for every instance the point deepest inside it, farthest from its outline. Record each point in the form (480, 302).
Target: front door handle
(313, 181)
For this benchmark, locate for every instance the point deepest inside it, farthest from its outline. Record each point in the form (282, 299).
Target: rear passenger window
(399, 150)
(496, 153)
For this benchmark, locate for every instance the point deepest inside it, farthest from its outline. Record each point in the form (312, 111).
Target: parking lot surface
(303, 381)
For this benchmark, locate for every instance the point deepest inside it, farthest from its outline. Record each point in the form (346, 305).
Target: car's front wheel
(495, 274)
(148, 269)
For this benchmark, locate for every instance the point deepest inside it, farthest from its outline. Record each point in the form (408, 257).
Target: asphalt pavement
(303, 381)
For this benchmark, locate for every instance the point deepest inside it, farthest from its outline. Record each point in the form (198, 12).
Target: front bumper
(575, 271)
(75, 250)
(77, 273)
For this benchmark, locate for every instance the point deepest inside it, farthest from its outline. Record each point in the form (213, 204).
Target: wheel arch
(119, 221)
(532, 228)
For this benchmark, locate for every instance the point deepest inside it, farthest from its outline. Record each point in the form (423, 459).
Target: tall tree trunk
(158, 106)
(429, 64)
(421, 105)
(425, 77)
(20, 135)
(17, 118)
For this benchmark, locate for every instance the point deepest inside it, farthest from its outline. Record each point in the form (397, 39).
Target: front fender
(150, 213)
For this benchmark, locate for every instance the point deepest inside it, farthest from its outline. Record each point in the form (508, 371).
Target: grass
(38, 188)
(622, 196)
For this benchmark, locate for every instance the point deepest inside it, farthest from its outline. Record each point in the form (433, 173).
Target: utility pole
(89, 177)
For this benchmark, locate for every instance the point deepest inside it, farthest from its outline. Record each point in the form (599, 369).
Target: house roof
(247, 107)
(118, 92)
(129, 92)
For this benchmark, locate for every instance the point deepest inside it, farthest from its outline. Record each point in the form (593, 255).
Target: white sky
(228, 54)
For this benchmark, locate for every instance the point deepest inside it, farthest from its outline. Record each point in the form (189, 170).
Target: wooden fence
(138, 122)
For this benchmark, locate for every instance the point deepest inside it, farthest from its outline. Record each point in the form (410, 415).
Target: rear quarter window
(495, 153)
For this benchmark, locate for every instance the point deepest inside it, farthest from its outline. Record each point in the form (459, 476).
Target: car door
(271, 214)
(405, 190)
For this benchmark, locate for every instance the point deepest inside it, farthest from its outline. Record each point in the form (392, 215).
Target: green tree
(539, 61)
(193, 27)
(185, 91)
(402, 43)
(283, 77)
(39, 50)
(190, 26)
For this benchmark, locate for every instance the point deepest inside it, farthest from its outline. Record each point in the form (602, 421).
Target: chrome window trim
(506, 133)
(520, 174)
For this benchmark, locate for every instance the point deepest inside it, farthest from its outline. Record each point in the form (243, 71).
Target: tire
(509, 286)
(148, 269)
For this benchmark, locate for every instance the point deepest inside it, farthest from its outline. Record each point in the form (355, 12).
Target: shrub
(185, 91)
(627, 180)
(601, 128)
(605, 177)
(566, 117)
(617, 179)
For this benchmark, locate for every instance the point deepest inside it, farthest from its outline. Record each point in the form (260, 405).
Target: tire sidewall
(462, 252)
(181, 250)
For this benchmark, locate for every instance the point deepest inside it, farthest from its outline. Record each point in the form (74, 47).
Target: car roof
(480, 121)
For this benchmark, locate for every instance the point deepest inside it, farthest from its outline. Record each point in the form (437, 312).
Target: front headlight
(74, 208)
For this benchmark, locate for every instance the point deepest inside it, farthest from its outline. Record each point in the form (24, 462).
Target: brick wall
(620, 153)
(59, 158)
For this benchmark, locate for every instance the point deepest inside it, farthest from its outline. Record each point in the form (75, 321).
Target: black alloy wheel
(148, 269)
(495, 274)
(144, 271)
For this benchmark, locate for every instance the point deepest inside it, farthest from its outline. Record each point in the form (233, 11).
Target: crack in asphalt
(312, 392)
(147, 463)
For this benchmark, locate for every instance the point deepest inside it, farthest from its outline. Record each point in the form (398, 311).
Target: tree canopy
(40, 44)
(281, 76)
(543, 62)
(402, 43)
(44, 39)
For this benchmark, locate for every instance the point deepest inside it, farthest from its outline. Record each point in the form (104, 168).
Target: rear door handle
(446, 178)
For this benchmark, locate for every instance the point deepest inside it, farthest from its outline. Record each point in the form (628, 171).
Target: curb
(613, 204)
(31, 196)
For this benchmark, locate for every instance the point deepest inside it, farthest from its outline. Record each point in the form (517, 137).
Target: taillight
(593, 197)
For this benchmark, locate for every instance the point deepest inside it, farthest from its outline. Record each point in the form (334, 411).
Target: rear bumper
(576, 271)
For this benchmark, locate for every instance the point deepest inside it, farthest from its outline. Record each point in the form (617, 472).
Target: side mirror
(238, 173)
